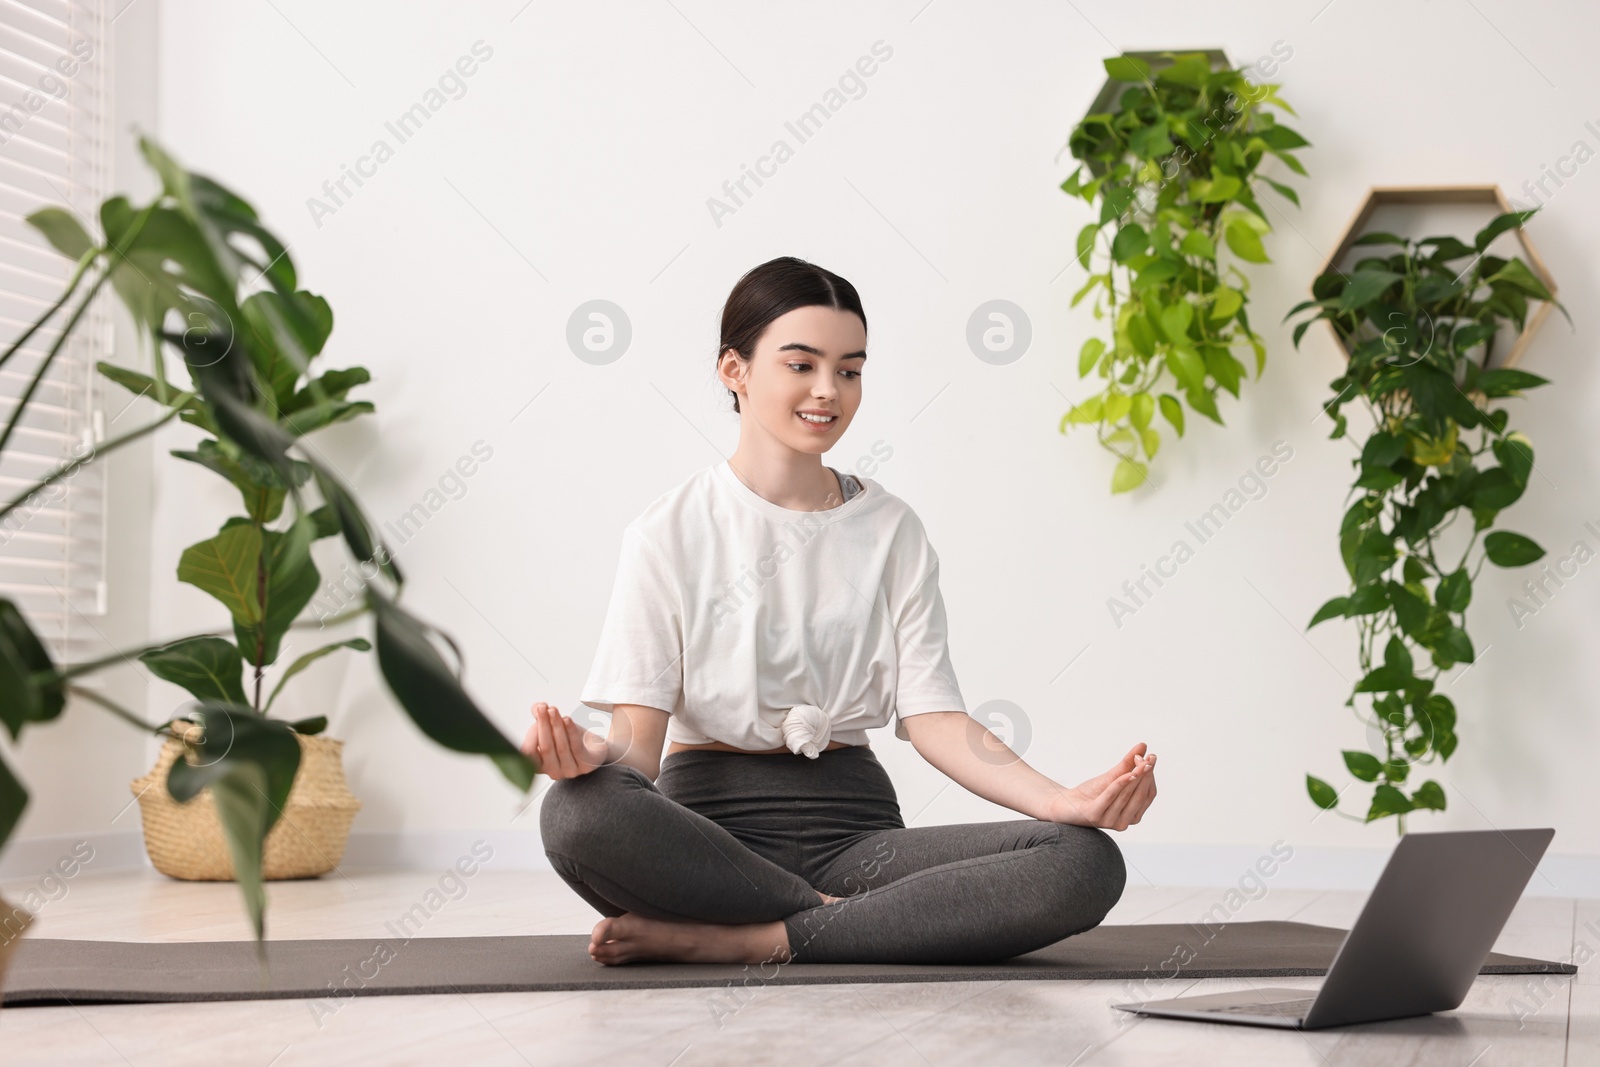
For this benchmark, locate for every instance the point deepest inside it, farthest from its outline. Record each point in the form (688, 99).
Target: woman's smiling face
(807, 360)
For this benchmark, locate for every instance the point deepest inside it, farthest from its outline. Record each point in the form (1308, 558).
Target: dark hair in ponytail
(775, 288)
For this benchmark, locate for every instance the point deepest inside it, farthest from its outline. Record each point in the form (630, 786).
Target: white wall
(578, 165)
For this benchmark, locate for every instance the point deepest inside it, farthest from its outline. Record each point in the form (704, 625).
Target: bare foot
(627, 937)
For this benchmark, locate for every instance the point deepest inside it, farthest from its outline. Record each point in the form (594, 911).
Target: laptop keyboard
(1277, 1007)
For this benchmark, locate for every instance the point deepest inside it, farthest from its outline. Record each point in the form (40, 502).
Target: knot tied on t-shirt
(806, 729)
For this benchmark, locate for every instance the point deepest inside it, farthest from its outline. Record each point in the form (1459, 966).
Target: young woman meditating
(766, 614)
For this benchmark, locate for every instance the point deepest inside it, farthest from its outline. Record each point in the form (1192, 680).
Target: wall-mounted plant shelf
(1106, 100)
(1422, 196)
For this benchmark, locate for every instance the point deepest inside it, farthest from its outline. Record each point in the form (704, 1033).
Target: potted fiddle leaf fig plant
(205, 281)
(1420, 331)
(264, 577)
(1174, 171)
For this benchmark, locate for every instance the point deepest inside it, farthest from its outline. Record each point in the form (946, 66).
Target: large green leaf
(333, 386)
(1387, 800)
(1429, 794)
(1203, 402)
(1244, 241)
(1187, 368)
(1281, 138)
(229, 385)
(1141, 334)
(1175, 321)
(358, 535)
(1384, 679)
(249, 763)
(307, 314)
(1446, 248)
(1494, 489)
(1365, 286)
(63, 230)
(1508, 381)
(1333, 609)
(209, 668)
(1507, 549)
(317, 416)
(23, 698)
(1089, 355)
(1515, 453)
(225, 566)
(1172, 411)
(1129, 474)
(1199, 243)
(1141, 409)
(1511, 220)
(1227, 370)
(19, 697)
(1363, 765)
(162, 264)
(1150, 142)
(1130, 241)
(1516, 274)
(1322, 793)
(256, 481)
(1452, 646)
(222, 217)
(193, 408)
(1455, 591)
(13, 799)
(1228, 303)
(432, 694)
(1397, 656)
(1086, 239)
(292, 581)
(1187, 68)
(1379, 237)
(1382, 449)
(1217, 189)
(360, 644)
(1436, 397)
(1127, 68)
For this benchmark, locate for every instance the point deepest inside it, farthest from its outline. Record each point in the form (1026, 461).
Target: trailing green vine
(1420, 330)
(1174, 172)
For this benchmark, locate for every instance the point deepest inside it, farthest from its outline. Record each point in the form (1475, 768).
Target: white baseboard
(1558, 875)
(33, 858)
(1321, 867)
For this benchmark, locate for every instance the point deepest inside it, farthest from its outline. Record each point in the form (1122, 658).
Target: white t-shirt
(765, 627)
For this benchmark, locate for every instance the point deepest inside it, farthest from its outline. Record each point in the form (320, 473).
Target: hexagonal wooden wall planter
(1106, 100)
(1487, 195)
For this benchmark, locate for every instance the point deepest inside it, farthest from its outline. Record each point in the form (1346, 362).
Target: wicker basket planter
(13, 920)
(185, 840)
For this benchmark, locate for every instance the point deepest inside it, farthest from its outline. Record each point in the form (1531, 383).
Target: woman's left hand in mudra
(1114, 800)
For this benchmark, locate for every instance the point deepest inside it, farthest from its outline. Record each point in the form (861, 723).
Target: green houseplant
(264, 577)
(188, 259)
(1174, 172)
(1420, 329)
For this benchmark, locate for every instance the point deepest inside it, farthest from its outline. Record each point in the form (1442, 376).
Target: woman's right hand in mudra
(563, 748)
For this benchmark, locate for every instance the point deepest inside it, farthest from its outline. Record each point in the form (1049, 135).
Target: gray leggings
(730, 837)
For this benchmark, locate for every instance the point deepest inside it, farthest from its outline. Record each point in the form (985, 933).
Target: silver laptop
(1416, 947)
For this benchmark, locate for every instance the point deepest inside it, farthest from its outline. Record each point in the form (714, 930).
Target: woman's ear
(732, 370)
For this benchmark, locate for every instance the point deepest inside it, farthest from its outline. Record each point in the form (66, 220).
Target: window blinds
(55, 117)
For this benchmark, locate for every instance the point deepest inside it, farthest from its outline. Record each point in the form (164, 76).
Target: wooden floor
(1505, 1020)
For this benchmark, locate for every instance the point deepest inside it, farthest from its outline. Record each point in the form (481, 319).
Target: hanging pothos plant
(1420, 331)
(1174, 172)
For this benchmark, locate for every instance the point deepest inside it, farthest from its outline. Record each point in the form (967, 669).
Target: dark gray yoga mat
(45, 971)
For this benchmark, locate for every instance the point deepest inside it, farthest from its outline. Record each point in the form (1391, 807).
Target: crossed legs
(674, 885)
